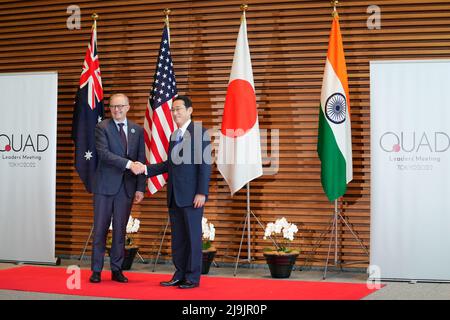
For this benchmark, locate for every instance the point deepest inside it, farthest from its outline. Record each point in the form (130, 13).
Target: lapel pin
(132, 130)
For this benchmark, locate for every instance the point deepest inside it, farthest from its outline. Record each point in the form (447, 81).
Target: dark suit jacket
(189, 173)
(112, 163)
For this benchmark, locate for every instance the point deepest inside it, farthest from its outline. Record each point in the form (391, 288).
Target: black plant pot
(280, 265)
(207, 259)
(130, 254)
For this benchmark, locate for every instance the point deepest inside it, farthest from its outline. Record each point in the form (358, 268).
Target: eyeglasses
(178, 109)
(118, 106)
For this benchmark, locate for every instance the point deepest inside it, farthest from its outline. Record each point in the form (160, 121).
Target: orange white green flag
(334, 144)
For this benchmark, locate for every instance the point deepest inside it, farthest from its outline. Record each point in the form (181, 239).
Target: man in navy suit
(119, 143)
(189, 169)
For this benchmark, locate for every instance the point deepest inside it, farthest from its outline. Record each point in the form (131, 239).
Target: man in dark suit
(189, 169)
(119, 143)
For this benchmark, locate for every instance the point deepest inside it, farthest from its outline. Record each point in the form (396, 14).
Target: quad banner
(28, 166)
(410, 169)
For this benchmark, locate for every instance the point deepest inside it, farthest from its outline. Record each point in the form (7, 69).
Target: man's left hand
(138, 197)
(199, 200)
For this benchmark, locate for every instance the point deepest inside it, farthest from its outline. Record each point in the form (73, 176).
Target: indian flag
(335, 138)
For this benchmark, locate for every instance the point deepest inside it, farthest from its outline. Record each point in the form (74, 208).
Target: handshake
(137, 168)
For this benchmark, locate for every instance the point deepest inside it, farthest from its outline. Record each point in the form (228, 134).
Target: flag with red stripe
(158, 123)
(88, 111)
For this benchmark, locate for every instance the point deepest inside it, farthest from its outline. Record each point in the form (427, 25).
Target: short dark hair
(187, 101)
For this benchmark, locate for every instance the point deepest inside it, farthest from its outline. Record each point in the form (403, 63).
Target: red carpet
(146, 286)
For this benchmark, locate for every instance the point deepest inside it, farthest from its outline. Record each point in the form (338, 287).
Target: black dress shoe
(96, 277)
(172, 282)
(119, 277)
(188, 285)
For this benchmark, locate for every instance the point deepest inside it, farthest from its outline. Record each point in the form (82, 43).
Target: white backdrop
(28, 166)
(410, 169)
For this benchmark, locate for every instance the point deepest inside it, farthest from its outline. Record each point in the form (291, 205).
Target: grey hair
(120, 95)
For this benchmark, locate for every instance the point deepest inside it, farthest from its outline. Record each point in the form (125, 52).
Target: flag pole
(248, 224)
(244, 8)
(334, 3)
(94, 16)
(334, 14)
(232, 171)
(167, 12)
(337, 217)
(336, 231)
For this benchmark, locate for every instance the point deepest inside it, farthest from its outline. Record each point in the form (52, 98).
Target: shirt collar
(125, 123)
(184, 127)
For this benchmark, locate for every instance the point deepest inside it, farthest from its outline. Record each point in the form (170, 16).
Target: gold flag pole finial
(334, 3)
(167, 12)
(95, 17)
(244, 8)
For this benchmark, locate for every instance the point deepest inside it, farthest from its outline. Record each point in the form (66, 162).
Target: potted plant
(209, 252)
(130, 248)
(281, 259)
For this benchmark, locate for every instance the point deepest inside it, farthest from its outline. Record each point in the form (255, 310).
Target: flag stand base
(246, 227)
(161, 243)
(249, 257)
(86, 244)
(80, 260)
(334, 238)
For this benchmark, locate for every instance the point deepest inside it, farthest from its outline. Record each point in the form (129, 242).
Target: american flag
(158, 124)
(88, 111)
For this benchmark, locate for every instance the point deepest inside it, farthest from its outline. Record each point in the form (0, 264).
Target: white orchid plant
(209, 233)
(132, 227)
(281, 227)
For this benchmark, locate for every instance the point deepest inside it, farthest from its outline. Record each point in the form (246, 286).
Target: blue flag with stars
(158, 123)
(88, 111)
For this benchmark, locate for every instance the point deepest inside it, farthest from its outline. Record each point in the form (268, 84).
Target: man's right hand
(137, 168)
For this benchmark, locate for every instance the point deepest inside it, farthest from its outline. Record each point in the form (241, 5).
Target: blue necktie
(179, 137)
(177, 145)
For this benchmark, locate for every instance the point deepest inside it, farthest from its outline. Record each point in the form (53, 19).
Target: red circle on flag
(239, 114)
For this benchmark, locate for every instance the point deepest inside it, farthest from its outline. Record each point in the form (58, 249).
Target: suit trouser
(186, 230)
(117, 207)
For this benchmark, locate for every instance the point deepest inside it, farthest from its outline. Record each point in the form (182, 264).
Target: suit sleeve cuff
(128, 165)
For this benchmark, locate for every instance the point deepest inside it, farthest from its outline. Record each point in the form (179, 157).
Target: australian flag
(88, 112)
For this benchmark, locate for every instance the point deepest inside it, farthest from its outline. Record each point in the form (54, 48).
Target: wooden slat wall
(288, 42)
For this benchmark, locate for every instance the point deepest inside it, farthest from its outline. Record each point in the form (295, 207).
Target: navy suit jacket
(111, 169)
(189, 169)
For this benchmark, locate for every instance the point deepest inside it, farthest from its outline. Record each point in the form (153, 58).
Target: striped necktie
(123, 137)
